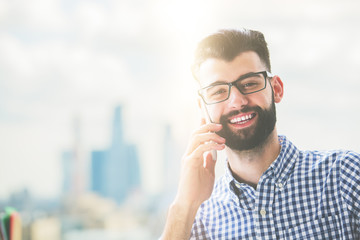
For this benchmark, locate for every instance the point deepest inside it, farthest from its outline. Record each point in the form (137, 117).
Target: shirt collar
(281, 167)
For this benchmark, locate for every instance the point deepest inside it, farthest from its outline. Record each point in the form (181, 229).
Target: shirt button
(280, 186)
(262, 212)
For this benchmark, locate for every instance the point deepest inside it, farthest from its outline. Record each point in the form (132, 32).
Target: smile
(242, 119)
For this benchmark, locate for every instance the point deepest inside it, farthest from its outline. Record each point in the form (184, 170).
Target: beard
(251, 137)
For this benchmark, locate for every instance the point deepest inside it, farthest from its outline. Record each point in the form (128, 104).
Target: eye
(219, 91)
(249, 85)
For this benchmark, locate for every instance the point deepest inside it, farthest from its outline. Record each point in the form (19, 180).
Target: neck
(248, 166)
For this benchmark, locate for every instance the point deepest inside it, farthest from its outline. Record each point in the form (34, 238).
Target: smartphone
(208, 120)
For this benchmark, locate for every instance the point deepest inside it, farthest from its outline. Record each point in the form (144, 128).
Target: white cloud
(37, 15)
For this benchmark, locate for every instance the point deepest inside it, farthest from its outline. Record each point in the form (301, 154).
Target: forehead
(214, 69)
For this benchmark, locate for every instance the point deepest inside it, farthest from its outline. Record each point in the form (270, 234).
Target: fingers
(202, 121)
(204, 138)
(196, 156)
(205, 134)
(201, 149)
(209, 163)
(210, 127)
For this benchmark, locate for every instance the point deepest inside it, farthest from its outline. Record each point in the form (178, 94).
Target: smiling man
(270, 190)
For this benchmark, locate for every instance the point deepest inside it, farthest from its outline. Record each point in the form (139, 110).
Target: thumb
(202, 121)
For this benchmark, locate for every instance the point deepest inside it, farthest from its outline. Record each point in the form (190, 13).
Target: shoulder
(350, 164)
(329, 159)
(340, 168)
(331, 169)
(350, 180)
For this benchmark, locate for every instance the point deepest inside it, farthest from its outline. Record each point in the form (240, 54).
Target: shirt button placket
(280, 186)
(263, 212)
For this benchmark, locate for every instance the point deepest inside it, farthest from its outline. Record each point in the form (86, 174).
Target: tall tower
(116, 171)
(117, 133)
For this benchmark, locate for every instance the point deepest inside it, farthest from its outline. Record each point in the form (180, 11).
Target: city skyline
(62, 60)
(115, 171)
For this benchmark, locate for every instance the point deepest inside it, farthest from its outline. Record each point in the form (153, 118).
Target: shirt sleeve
(198, 231)
(350, 184)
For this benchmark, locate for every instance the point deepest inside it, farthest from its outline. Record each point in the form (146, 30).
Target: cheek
(270, 99)
(215, 113)
(265, 99)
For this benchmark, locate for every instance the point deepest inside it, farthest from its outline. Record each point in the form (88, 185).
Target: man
(271, 190)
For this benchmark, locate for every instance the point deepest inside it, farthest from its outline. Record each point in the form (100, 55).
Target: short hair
(226, 44)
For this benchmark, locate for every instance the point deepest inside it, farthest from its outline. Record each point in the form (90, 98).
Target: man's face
(247, 119)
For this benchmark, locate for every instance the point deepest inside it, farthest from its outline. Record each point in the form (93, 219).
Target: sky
(63, 61)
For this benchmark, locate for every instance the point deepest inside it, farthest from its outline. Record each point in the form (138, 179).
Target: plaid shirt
(302, 195)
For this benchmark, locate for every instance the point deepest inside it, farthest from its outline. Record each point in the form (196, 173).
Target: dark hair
(227, 44)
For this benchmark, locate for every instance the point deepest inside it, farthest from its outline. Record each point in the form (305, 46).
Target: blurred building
(115, 172)
(45, 229)
(73, 163)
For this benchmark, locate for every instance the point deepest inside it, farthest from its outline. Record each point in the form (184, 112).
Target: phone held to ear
(208, 120)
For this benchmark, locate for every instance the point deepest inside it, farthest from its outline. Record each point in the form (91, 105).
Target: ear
(278, 88)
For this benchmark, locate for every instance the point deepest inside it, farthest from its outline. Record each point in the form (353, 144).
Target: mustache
(236, 112)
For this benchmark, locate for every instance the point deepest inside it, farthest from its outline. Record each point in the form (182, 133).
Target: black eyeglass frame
(266, 75)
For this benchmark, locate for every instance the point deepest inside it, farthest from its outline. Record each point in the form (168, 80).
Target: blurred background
(97, 101)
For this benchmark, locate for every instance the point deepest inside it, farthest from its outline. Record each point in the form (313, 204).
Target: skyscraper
(116, 171)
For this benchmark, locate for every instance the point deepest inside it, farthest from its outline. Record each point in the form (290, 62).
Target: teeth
(240, 119)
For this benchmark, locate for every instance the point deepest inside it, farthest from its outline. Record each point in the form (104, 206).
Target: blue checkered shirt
(302, 195)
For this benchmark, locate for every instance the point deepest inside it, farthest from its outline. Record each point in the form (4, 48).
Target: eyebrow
(219, 82)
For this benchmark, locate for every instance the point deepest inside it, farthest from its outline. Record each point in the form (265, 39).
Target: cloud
(64, 58)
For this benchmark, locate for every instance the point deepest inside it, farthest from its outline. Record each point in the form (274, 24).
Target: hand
(196, 181)
(198, 175)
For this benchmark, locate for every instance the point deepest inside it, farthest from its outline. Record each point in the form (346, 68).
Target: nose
(237, 100)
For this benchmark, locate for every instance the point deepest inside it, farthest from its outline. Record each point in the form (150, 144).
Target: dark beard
(249, 138)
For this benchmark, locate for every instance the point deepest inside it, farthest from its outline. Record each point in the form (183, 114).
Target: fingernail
(220, 146)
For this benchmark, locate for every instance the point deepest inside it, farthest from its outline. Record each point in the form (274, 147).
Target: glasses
(246, 84)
